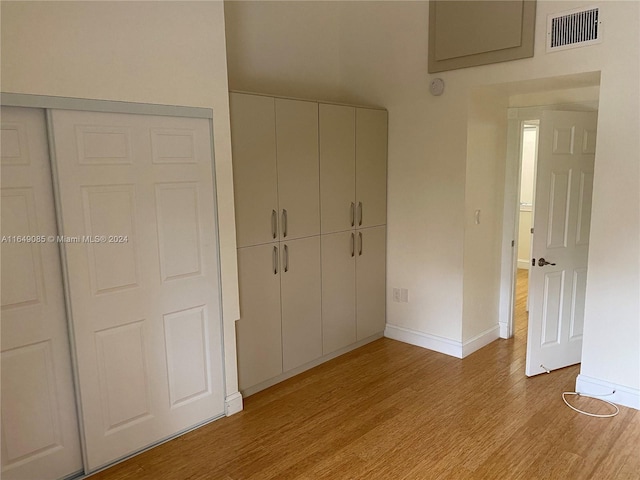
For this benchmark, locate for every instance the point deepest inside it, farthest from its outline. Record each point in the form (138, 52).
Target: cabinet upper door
(253, 140)
(298, 168)
(337, 167)
(371, 167)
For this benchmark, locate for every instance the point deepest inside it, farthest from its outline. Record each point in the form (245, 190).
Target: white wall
(381, 59)
(170, 53)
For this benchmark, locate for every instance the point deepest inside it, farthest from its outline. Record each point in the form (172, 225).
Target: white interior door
(39, 424)
(564, 180)
(137, 201)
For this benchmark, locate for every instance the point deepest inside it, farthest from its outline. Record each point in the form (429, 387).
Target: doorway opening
(556, 148)
(529, 130)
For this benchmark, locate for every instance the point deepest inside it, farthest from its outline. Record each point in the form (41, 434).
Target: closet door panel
(298, 168)
(40, 436)
(370, 281)
(371, 167)
(337, 167)
(137, 191)
(301, 302)
(259, 329)
(255, 177)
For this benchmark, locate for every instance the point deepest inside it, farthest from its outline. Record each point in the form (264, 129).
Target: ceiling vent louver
(574, 28)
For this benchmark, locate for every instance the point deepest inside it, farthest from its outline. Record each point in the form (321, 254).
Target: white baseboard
(424, 340)
(233, 404)
(482, 339)
(524, 264)
(441, 344)
(504, 330)
(629, 397)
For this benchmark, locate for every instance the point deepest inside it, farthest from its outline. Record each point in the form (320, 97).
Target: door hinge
(513, 243)
(531, 229)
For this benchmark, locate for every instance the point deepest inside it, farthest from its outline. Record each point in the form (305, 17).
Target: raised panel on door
(370, 281)
(298, 168)
(371, 167)
(338, 290)
(337, 167)
(145, 291)
(255, 177)
(40, 437)
(259, 329)
(301, 302)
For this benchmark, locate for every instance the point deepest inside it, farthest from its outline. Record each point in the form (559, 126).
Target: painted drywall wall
(170, 53)
(382, 60)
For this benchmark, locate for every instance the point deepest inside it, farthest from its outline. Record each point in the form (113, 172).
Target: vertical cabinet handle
(286, 258)
(353, 214)
(284, 222)
(275, 260)
(274, 221)
(359, 213)
(360, 248)
(353, 243)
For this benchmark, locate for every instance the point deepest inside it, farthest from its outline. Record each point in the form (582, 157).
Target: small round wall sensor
(436, 87)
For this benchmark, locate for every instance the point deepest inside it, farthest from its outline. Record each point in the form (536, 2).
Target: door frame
(516, 117)
(48, 103)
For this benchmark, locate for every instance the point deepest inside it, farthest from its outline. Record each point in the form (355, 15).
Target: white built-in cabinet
(310, 197)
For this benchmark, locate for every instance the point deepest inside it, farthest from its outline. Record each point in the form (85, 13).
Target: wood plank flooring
(394, 411)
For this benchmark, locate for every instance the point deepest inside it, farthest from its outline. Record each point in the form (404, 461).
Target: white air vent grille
(574, 28)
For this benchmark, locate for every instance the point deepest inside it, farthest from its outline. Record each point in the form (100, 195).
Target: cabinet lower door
(370, 281)
(301, 302)
(259, 330)
(39, 426)
(137, 204)
(338, 291)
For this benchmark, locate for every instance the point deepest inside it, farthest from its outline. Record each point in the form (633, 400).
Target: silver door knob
(542, 262)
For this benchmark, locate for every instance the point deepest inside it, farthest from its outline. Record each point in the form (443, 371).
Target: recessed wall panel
(178, 230)
(558, 209)
(21, 265)
(187, 354)
(123, 375)
(30, 423)
(110, 212)
(103, 145)
(172, 146)
(552, 307)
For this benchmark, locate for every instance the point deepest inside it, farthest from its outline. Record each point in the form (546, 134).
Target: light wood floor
(394, 411)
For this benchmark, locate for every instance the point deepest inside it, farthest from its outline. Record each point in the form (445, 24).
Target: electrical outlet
(396, 295)
(404, 295)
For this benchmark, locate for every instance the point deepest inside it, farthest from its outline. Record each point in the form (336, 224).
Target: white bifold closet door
(137, 207)
(40, 437)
